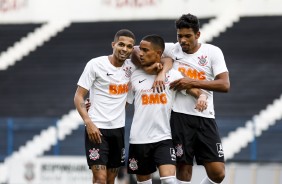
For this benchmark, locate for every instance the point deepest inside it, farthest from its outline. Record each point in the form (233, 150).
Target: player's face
(188, 40)
(122, 48)
(148, 55)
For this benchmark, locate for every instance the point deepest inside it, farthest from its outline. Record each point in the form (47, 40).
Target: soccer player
(106, 79)
(150, 141)
(195, 133)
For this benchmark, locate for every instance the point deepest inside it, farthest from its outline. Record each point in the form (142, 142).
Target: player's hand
(159, 67)
(183, 83)
(87, 104)
(201, 103)
(94, 133)
(159, 83)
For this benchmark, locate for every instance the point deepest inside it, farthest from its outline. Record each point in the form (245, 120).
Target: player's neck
(195, 49)
(114, 61)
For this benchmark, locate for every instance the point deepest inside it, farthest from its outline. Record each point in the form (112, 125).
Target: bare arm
(201, 97)
(93, 132)
(221, 83)
(159, 82)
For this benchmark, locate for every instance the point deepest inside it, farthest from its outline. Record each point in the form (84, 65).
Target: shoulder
(173, 49)
(138, 72)
(171, 46)
(128, 62)
(97, 60)
(211, 47)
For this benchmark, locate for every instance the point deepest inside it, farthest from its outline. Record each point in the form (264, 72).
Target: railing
(15, 132)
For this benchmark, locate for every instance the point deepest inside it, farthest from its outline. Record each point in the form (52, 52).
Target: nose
(125, 49)
(182, 40)
(140, 53)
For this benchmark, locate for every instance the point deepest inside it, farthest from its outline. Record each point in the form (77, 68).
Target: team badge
(179, 150)
(133, 164)
(94, 154)
(172, 154)
(167, 79)
(128, 72)
(202, 60)
(219, 149)
(122, 155)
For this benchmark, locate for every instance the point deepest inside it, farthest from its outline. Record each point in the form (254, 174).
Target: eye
(121, 44)
(130, 46)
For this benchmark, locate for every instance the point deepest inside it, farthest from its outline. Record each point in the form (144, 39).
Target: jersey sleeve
(168, 52)
(88, 76)
(218, 62)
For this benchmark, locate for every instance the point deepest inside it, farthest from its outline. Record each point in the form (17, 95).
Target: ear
(113, 44)
(160, 53)
(198, 34)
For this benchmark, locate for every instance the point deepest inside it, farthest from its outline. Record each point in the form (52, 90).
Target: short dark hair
(156, 40)
(124, 32)
(188, 21)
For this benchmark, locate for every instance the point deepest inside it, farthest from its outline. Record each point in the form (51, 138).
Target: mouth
(123, 55)
(142, 61)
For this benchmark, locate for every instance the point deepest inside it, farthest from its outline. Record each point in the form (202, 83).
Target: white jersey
(205, 64)
(151, 110)
(108, 86)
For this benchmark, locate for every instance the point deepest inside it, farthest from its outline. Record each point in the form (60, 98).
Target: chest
(195, 67)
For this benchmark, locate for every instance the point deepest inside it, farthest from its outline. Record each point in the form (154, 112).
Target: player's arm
(201, 97)
(221, 83)
(159, 83)
(93, 132)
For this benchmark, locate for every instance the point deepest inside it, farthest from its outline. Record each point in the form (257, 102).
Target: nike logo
(177, 58)
(142, 80)
(108, 74)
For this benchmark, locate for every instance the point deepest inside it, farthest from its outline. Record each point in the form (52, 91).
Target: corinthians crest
(128, 71)
(94, 154)
(133, 164)
(179, 150)
(203, 60)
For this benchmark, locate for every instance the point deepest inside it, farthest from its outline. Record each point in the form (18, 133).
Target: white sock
(206, 180)
(183, 182)
(168, 180)
(145, 182)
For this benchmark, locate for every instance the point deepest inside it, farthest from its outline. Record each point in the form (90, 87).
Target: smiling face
(148, 53)
(122, 48)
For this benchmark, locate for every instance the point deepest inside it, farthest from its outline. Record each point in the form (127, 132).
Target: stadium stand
(267, 147)
(251, 49)
(11, 33)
